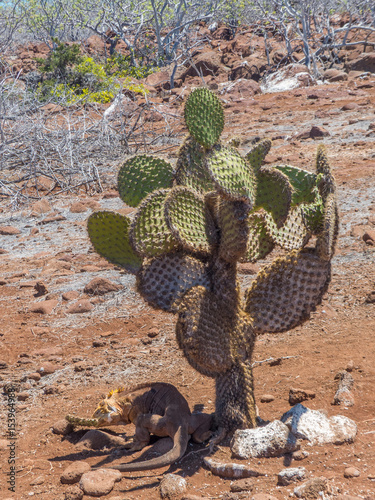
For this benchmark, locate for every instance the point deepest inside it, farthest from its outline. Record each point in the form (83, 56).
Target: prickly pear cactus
(196, 222)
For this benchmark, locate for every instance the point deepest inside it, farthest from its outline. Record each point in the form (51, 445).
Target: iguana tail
(180, 442)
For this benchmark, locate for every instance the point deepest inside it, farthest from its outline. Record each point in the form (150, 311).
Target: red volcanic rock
(366, 62)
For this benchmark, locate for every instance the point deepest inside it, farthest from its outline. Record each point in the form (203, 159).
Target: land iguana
(154, 408)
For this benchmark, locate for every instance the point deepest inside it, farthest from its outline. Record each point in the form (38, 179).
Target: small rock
(272, 440)
(9, 230)
(81, 306)
(101, 286)
(34, 376)
(313, 488)
(52, 389)
(154, 332)
(231, 470)
(99, 482)
(71, 295)
(370, 299)
(48, 368)
(318, 132)
(298, 395)
(62, 427)
(22, 396)
(241, 485)
(350, 106)
(3, 365)
(300, 455)
(99, 440)
(351, 472)
(267, 398)
(40, 207)
(40, 288)
(78, 207)
(369, 235)
(172, 486)
(343, 397)
(350, 366)
(44, 307)
(291, 475)
(73, 493)
(73, 473)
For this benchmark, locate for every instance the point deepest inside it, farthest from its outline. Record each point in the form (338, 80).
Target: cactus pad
(302, 182)
(190, 170)
(204, 116)
(141, 175)
(259, 243)
(149, 233)
(109, 234)
(274, 193)
(287, 291)
(232, 176)
(203, 331)
(293, 234)
(327, 238)
(257, 153)
(312, 214)
(163, 281)
(189, 220)
(234, 229)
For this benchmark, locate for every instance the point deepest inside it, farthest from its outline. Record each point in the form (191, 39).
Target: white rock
(172, 485)
(291, 475)
(317, 428)
(272, 440)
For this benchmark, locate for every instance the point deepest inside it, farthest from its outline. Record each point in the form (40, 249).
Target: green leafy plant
(64, 56)
(197, 221)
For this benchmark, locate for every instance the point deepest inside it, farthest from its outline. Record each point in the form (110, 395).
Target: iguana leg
(201, 423)
(146, 424)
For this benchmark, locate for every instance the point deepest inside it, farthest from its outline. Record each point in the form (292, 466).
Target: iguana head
(112, 410)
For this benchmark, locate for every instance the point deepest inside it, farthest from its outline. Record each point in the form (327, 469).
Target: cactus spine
(196, 222)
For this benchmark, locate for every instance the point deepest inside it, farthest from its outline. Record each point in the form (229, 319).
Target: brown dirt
(340, 331)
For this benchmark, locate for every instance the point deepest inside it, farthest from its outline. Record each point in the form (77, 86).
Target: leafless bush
(69, 148)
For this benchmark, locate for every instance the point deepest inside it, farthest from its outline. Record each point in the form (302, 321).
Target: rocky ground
(67, 339)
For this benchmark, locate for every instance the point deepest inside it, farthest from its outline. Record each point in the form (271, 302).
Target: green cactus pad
(326, 182)
(234, 229)
(313, 214)
(204, 116)
(326, 241)
(259, 243)
(231, 174)
(109, 234)
(257, 153)
(203, 332)
(164, 280)
(321, 162)
(141, 175)
(293, 234)
(287, 291)
(149, 233)
(190, 170)
(274, 193)
(302, 182)
(189, 220)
